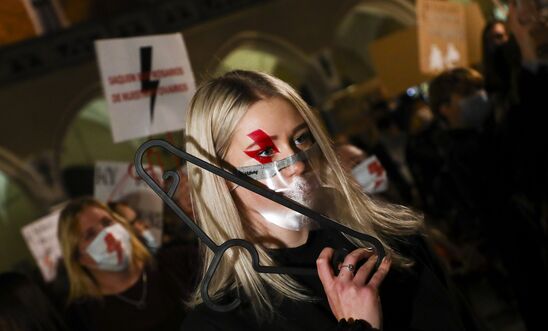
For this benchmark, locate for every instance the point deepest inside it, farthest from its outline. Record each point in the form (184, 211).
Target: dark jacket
(421, 298)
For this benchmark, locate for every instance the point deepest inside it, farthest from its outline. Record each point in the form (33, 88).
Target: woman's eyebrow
(299, 127)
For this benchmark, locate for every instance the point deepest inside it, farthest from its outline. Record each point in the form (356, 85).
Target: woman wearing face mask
(114, 282)
(140, 226)
(259, 126)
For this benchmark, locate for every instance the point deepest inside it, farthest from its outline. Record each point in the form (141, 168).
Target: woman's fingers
(379, 275)
(327, 275)
(323, 263)
(350, 262)
(363, 273)
(348, 295)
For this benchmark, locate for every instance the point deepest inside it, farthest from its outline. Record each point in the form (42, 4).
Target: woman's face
(92, 220)
(498, 35)
(270, 131)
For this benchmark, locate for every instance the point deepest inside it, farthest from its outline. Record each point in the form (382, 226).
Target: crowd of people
(466, 165)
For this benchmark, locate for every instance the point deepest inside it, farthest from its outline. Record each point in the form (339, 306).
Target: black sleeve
(77, 318)
(181, 263)
(200, 322)
(426, 255)
(354, 325)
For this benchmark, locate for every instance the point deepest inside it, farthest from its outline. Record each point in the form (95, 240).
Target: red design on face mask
(376, 168)
(114, 245)
(264, 142)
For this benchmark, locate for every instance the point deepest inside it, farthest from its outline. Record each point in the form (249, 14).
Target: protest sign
(41, 239)
(442, 35)
(147, 82)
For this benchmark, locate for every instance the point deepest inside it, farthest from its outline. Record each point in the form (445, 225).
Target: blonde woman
(114, 283)
(258, 125)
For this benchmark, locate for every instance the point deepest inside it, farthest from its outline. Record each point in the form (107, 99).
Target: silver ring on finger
(350, 267)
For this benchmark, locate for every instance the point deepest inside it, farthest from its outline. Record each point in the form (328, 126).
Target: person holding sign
(114, 282)
(258, 126)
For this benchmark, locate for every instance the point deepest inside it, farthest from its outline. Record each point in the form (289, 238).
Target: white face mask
(474, 110)
(371, 176)
(111, 249)
(150, 240)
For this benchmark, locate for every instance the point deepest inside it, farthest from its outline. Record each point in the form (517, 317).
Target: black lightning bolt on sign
(148, 85)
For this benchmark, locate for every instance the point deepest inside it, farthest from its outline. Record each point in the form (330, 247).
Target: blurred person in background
(114, 281)
(487, 178)
(445, 156)
(24, 307)
(517, 206)
(350, 155)
(496, 56)
(139, 225)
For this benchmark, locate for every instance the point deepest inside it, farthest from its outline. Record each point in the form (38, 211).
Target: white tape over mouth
(301, 190)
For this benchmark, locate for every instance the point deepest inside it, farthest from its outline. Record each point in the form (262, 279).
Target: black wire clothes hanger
(219, 250)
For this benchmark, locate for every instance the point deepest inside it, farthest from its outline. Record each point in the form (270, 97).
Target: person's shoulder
(83, 303)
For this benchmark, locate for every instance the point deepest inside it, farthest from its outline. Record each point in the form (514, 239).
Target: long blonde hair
(214, 112)
(82, 283)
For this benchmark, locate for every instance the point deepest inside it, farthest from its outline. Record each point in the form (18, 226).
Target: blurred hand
(348, 294)
(521, 31)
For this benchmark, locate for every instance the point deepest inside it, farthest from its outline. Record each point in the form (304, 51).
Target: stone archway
(252, 50)
(363, 24)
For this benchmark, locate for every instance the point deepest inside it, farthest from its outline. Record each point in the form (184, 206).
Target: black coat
(421, 298)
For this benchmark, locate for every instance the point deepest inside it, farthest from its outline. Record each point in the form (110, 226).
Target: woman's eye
(304, 139)
(269, 151)
(89, 235)
(106, 222)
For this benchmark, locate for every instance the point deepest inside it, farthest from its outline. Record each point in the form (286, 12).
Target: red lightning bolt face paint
(264, 142)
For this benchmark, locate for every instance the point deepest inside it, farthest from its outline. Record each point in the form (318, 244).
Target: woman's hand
(521, 31)
(348, 294)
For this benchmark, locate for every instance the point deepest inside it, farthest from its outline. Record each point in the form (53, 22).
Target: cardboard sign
(119, 182)
(41, 239)
(442, 35)
(147, 82)
(396, 61)
(475, 23)
(371, 175)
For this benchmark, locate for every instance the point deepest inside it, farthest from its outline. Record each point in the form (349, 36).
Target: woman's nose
(296, 169)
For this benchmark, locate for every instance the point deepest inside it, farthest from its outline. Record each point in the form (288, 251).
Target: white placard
(371, 175)
(147, 82)
(119, 182)
(41, 239)
(441, 35)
